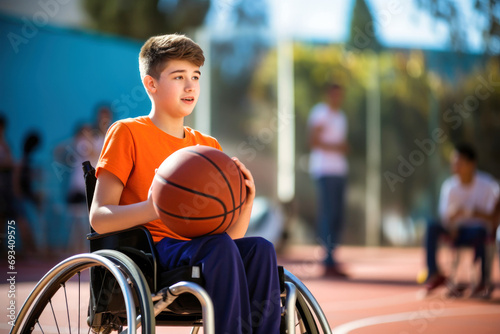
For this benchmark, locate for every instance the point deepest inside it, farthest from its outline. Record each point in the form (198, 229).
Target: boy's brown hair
(159, 49)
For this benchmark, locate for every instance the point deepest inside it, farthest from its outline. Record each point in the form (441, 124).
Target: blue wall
(52, 79)
(56, 78)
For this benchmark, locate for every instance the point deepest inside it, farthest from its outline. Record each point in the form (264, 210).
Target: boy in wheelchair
(467, 210)
(240, 274)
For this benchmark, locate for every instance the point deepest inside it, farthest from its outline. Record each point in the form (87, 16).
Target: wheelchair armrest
(137, 243)
(144, 230)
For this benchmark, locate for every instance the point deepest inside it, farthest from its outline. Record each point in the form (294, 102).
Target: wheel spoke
(60, 287)
(98, 300)
(54, 314)
(79, 305)
(39, 326)
(67, 306)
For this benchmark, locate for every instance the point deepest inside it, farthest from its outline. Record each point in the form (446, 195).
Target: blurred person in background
(83, 147)
(7, 211)
(328, 166)
(29, 199)
(103, 121)
(466, 214)
(86, 144)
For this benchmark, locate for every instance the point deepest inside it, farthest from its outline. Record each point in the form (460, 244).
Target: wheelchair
(457, 283)
(117, 287)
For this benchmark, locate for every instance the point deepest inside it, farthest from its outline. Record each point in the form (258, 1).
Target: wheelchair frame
(299, 307)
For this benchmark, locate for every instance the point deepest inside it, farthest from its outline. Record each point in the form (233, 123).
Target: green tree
(145, 18)
(487, 19)
(469, 112)
(363, 35)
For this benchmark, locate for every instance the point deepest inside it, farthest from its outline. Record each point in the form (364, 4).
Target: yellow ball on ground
(422, 276)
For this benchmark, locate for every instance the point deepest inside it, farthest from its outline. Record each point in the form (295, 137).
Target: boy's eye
(178, 77)
(196, 77)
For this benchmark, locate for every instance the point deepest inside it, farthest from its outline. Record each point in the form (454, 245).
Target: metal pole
(286, 121)
(203, 114)
(373, 157)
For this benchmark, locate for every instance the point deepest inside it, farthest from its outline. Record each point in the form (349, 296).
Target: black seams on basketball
(197, 191)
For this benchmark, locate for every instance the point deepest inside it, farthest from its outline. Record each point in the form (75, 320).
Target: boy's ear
(149, 83)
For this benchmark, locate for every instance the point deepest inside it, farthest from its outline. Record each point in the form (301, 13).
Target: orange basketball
(198, 191)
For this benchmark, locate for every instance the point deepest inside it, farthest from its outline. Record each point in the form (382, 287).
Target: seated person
(241, 274)
(466, 209)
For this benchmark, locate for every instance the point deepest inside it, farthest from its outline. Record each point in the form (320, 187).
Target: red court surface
(380, 296)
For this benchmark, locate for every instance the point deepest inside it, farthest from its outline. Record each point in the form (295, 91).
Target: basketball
(198, 191)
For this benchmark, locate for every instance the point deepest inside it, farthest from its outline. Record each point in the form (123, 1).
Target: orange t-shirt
(133, 149)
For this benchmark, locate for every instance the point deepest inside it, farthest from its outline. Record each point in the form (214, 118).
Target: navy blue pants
(470, 235)
(331, 191)
(241, 278)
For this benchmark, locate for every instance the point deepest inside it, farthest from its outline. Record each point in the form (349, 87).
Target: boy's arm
(445, 209)
(316, 142)
(239, 228)
(106, 215)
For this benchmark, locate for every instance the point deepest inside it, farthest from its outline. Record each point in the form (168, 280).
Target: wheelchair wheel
(309, 317)
(59, 303)
(141, 290)
(305, 321)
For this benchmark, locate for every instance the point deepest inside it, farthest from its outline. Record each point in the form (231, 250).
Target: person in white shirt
(467, 207)
(328, 166)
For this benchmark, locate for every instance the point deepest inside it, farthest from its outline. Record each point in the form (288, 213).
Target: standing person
(83, 148)
(103, 121)
(241, 274)
(28, 198)
(6, 160)
(466, 210)
(7, 204)
(328, 166)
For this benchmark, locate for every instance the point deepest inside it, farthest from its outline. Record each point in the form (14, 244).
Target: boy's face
(335, 97)
(461, 166)
(177, 89)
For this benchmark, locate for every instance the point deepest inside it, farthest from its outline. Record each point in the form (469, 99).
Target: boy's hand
(239, 228)
(249, 182)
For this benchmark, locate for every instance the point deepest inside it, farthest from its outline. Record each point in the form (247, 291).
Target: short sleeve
(198, 138)
(118, 152)
(217, 145)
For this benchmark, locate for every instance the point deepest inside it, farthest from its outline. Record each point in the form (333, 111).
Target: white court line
(411, 316)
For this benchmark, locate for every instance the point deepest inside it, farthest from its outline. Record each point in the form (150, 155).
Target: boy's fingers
(243, 168)
(249, 181)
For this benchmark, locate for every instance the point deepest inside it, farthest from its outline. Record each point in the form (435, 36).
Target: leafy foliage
(363, 35)
(145, 18)
(417, 90)
(487, 19)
